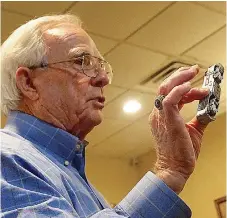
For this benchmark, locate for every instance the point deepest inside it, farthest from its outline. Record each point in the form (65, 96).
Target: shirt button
(78, 147)
(66, 163)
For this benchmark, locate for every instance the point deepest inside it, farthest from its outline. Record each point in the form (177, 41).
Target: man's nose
(101, 79)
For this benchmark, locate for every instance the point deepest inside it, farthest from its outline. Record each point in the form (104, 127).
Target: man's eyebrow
(75, 52)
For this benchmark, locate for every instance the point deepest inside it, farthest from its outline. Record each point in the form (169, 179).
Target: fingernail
(188, 83)
(206, 89)
(195, 66)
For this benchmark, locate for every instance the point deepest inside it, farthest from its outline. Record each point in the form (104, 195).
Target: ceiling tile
(135, 136)
(104, 130)
(111, 92)
(36, 8)
(211, 50)
(151, 84)
(219, 6)
(114, 110)
(136, 139)
(131, 65)
(116, 19)
(103, 44)
(178, 28)
(9, 22)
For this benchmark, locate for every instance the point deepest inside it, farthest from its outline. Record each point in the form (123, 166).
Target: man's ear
(24, 81)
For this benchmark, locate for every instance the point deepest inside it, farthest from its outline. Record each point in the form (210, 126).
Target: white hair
(26, 47)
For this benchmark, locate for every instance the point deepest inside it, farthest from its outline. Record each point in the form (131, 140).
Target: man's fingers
(175, 96)
(194, 94)
(181, 76)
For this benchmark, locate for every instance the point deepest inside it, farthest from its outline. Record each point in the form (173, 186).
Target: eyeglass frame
(43, 65)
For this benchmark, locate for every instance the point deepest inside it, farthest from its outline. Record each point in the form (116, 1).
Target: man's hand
(177, 144)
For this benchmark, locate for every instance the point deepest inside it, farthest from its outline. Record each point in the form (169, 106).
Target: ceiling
(138, 39)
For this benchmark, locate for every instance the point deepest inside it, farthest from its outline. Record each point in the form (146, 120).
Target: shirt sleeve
(151, 197)
(25, 194)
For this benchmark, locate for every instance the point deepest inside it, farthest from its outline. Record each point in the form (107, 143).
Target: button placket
(78, 146)
(66, 163)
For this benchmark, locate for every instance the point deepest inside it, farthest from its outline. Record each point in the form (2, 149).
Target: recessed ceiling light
(131, 106)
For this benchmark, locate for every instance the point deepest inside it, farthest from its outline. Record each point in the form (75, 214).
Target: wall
(146, 163)
(3, 119)
(208, 181)
(114, 178)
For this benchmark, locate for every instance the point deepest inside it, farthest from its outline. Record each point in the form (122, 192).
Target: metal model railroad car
(208, 107)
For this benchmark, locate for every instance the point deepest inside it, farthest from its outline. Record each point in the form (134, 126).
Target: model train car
(208, 107)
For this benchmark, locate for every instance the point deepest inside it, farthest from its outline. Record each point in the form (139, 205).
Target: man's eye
(78, 61)
(87, 61)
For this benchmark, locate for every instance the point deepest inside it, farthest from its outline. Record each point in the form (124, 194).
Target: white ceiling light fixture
(131, 106)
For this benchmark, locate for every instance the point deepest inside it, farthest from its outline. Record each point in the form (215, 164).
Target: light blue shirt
(43, 175)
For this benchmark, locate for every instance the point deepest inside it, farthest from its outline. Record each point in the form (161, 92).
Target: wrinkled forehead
(68, 41)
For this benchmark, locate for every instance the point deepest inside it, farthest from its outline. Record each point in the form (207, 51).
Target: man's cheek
(83, 80)
(83, 105)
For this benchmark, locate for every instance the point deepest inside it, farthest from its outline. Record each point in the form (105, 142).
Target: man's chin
(88, 122)
(95, 117)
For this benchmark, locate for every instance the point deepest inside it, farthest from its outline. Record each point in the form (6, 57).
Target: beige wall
(3, 120)
(208, 181)
(113, 178)
(146, 163)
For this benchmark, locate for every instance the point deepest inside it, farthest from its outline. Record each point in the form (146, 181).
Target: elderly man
(52, 91)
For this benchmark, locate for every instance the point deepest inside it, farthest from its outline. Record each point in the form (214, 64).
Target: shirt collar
(45, 135)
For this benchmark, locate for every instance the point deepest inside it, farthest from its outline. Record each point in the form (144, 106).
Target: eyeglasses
(88, 65)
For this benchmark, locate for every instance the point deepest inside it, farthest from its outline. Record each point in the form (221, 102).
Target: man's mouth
(99, 101)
